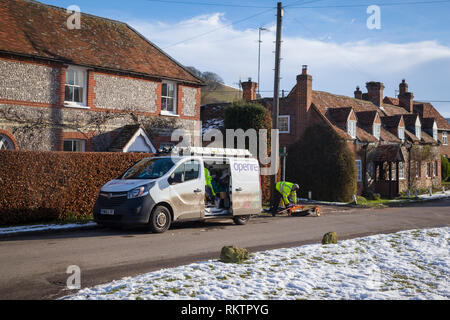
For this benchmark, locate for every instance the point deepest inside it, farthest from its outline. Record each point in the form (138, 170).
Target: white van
(160, 190)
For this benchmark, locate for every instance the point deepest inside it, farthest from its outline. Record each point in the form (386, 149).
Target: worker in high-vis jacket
(210, 194)
(286, 191)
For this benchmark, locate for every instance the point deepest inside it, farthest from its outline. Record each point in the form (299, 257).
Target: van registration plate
(109, 212)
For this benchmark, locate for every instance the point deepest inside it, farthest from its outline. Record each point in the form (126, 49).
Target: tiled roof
(388, 152)
(123, 136)
(410, 136)
(388, 136)
(363, 134)
(324, 100)
(339, 115)
(391, 110)
(34, 29)
(426, 110)
(427, 138)
(428, 123)
(366, 118)
(392, 101)
(391, 121)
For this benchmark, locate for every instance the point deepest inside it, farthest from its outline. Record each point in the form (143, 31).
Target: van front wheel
(241, 220)
(160, 220)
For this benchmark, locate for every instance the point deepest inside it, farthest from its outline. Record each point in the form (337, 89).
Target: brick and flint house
(397, 142)
(102, 87)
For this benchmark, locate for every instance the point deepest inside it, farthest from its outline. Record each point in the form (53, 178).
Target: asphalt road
(34, 267)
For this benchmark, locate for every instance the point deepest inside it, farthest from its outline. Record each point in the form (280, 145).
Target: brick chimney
(406, 99)
(375, 92)
(304, 100)
(358, 93)
(249, 90)
(304, 89)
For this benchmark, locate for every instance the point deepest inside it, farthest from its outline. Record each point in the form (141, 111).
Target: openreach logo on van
(257, 142)
(239, 167)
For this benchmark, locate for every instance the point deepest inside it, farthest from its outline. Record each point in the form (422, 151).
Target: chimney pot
(304, 69)
(249, 90)
(358, 93)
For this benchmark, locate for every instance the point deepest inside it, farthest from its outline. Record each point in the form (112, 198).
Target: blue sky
(331, 38)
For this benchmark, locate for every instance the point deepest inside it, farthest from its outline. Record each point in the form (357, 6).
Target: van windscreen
(149, 169)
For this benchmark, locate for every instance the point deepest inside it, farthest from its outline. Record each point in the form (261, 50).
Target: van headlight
(137, 193)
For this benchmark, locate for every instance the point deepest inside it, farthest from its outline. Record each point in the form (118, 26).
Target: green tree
(322, 162)
(247, 115)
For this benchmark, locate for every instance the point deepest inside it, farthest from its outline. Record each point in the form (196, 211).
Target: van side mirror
(175, 178)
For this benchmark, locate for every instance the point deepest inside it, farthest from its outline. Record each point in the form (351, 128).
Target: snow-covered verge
(44, 227)
(406, 265)
(420, 198)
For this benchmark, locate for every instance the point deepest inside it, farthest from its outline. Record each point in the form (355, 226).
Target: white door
(187, 190)
(246, 189)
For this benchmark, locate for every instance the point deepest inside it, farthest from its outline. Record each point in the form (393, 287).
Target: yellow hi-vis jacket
(208, 180)
(285, 188)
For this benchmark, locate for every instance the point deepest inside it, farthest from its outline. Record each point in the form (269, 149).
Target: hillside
(220, 93)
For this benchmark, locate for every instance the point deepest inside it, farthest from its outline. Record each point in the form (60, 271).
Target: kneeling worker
(285, 190)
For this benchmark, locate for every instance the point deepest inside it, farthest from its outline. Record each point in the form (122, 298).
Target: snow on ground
(44, 227)
(420, 197)
(406, 265)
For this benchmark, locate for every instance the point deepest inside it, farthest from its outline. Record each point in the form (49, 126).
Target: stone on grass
(330, 238)
(233, 255)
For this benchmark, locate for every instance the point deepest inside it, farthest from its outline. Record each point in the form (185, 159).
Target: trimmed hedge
(322, 162)
(40, 186)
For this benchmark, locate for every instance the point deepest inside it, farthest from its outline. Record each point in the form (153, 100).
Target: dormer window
(418, 129)
(401, 133)
(351, 128)
(435, 132)
(376, 130)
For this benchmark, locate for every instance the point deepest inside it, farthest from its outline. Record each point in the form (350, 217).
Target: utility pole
(259, 58)
(276, 98)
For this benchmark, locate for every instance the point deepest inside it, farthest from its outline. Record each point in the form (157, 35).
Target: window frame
(288, 117)
(83, 144)
(402, 131)
(376, 134)
(351, 128)
(174, 98)
(82, 104)
(184, 165)
(418, 169)
(359, 174)
(444, 138)
(435, 168)
(401, 171)
(429, 170)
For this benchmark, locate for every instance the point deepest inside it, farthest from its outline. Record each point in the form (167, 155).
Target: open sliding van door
(246, 195)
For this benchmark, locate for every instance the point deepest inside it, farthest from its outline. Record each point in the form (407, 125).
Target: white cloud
(336, 67)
